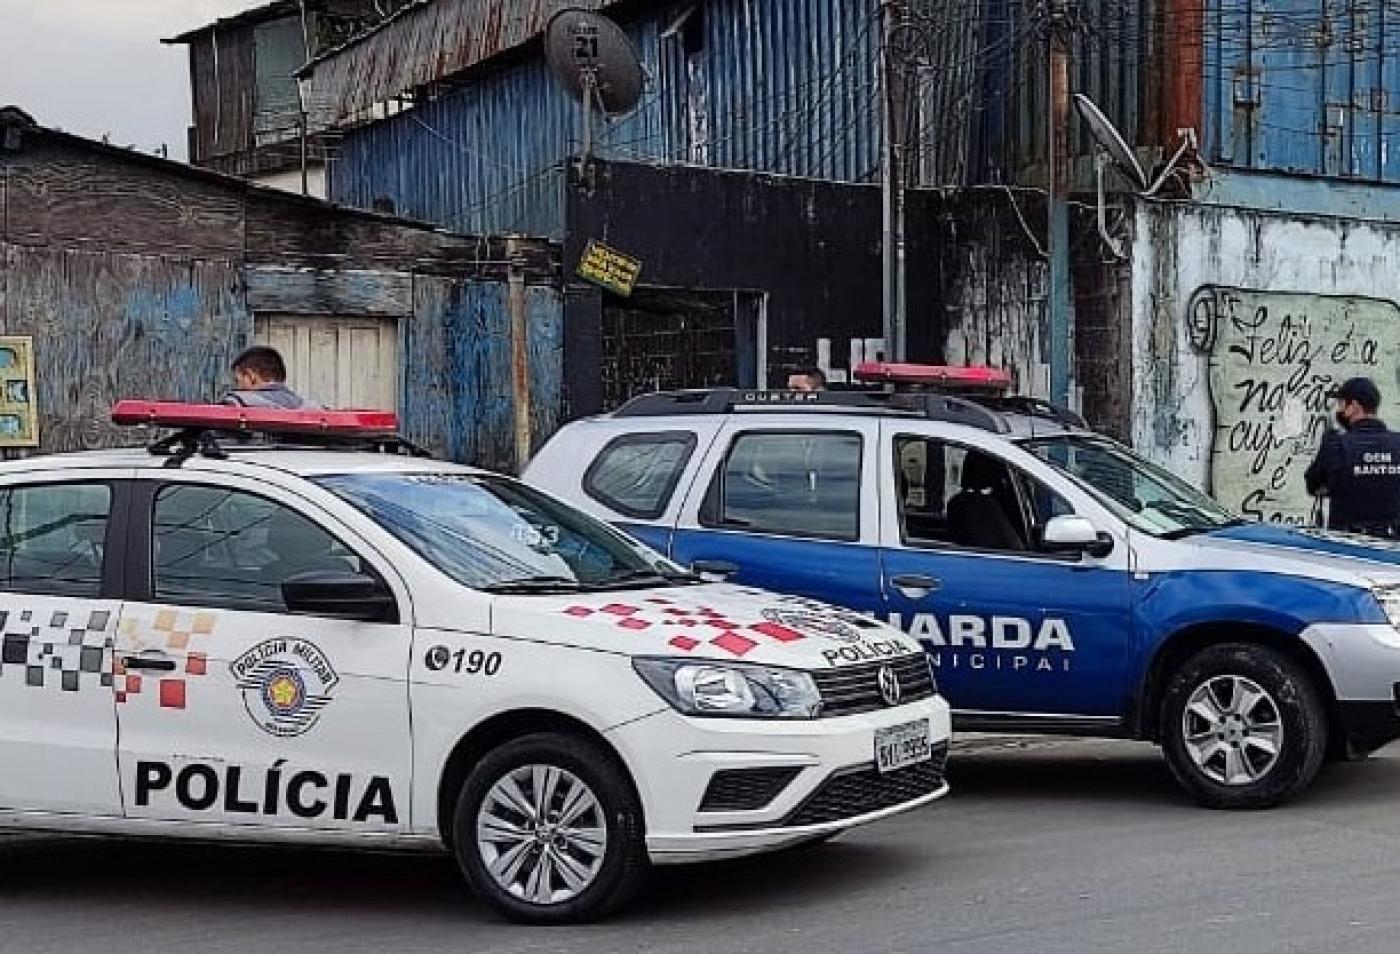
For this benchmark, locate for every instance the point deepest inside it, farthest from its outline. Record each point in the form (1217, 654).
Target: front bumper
(1363, 662)
(674, 758)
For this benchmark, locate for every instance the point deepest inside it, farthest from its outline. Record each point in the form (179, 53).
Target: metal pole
(1060, 317)
(305, 149)
(892, 186)
(519, 354)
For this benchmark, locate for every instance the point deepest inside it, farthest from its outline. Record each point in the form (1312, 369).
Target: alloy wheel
(1232, 730)
(542, 834)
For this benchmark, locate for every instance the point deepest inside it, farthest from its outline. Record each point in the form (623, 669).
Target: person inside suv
(977, 516)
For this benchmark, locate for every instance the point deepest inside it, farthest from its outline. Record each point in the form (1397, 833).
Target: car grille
(745, 790)
(856, 689)
(864, 790)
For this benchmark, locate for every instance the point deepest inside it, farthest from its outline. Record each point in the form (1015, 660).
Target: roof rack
(199, 428)
(1033, 407)
(930, 406)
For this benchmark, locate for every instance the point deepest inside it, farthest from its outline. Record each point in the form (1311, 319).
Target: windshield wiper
(647, 578)
(1185, 532)
(536, 585)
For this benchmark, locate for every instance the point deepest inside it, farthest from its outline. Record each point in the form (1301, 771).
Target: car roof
(1018, 427)
(296, 461)
(1010, 417)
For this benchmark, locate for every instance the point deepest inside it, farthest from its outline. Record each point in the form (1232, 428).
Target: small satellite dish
(595, 60)
(1111, 142)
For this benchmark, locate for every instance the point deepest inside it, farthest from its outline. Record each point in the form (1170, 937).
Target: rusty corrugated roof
(423, 43)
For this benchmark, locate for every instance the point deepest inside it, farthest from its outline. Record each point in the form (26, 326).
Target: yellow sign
(609, 268)
(19, 416)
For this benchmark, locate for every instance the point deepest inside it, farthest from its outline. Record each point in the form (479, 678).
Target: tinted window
(793, 484)
(962, 497)
(52, 539)
(223, 548)
(636, 475)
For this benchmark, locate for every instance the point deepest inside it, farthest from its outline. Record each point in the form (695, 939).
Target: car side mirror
(715, 571)
(1075, 535)
(340, 595)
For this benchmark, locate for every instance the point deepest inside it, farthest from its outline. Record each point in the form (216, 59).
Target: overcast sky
(97, 66)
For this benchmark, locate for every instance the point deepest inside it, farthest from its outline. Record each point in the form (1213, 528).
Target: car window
(794, 484)
(951, 495)
(500, 535)
(226, 548)
(1148, 497)
(637, 474)
(52, 539)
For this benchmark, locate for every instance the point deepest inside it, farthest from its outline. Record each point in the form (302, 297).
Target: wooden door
(340, 362)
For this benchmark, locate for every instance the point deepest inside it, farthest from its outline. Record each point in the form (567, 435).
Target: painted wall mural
(1273, 357)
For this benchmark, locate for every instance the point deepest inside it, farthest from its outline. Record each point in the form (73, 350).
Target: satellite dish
(1111, 141)
(595, 60)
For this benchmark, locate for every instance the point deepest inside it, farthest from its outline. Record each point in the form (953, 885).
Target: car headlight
(1389, 598)
(732, 689)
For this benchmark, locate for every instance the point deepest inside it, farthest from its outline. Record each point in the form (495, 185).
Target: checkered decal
(57, 649)
(175, 633)
(688, 629)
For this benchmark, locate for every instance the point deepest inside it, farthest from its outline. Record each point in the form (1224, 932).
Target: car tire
(527, 866)
(1243, 727)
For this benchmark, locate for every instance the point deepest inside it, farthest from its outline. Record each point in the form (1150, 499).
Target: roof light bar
(254, 420)
(942, 376)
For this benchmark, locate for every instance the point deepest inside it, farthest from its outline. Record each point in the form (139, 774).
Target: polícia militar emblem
(814, 623)
(286, 684)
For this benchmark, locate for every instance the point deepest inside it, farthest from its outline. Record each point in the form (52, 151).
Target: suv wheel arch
(1185, 643)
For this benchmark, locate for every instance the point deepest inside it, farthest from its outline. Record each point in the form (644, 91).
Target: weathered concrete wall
(1241, 321)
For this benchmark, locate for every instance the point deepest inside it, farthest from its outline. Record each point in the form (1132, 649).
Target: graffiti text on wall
(1273, 358)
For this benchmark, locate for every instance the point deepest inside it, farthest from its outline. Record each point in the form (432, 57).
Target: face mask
(1342, 421)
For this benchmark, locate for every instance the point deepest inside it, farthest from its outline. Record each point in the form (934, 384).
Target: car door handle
(915, 586)
(721, 569)
(149, 663)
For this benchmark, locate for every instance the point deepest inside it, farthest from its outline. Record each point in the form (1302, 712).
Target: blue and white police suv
(1059, 582)
(317, 638)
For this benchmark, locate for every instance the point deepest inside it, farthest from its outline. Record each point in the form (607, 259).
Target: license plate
(901, 746)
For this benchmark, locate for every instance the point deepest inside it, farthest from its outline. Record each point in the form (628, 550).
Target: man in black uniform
(1358, 469)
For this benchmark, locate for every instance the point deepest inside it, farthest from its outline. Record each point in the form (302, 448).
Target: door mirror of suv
(715, 571)
(340, 595)
(1071, 534)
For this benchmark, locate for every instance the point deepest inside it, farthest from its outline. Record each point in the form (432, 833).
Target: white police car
(1059, 583)
(264, 642)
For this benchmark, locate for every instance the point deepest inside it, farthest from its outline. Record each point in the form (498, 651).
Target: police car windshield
(1147, 497)
(495, 534)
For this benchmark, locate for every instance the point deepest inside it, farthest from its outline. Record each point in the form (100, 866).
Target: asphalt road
(1046, 847)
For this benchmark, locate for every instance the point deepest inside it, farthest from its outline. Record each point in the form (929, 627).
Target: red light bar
(223, 417)
(981, 378)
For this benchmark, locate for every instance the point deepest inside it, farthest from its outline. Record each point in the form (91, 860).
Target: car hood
(712, 621)
(1340, 557)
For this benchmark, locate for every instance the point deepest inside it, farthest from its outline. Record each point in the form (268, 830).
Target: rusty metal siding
(1119, 60)
(783, 86)
(1304, 87)
(422, 45)
(793, 86)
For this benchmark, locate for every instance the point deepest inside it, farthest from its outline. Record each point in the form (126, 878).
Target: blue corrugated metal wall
(783, 86)
(1308, 86)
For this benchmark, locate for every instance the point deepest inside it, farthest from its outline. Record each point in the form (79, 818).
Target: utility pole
(519, 351)
(893, 96)
(1061, 319)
